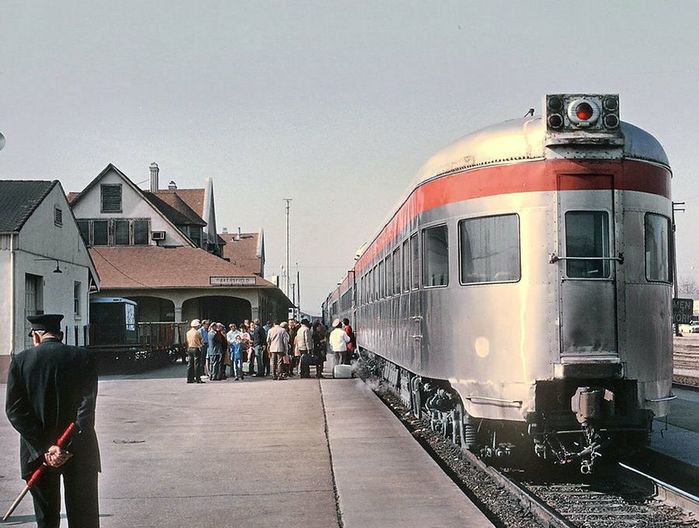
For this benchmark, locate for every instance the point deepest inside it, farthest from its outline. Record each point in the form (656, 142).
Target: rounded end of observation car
(533, 138)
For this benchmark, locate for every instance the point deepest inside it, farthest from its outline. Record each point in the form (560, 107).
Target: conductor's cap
(45, 323)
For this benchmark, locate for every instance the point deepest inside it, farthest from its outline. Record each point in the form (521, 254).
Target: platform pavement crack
(340, 523)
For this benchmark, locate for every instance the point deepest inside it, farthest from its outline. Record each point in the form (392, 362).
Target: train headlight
(583, 113)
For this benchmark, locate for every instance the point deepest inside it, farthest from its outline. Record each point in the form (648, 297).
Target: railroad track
(618, 496)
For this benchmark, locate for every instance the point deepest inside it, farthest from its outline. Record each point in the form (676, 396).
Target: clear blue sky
(335, 104)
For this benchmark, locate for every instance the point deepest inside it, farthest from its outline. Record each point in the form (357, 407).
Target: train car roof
(513, 141)
(521, 140)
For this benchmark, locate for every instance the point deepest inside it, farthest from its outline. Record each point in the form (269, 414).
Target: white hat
(194, 323)
(336, 323)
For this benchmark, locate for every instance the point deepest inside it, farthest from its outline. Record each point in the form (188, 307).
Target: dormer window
(111, 198)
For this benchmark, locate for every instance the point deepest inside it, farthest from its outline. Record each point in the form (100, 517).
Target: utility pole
(676, 206)
(298, 286)
(288, 205)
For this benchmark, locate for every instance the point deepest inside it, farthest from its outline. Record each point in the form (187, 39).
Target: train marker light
(611, 121)
(554, 104)
(555, 121)
(582, 118)
(583, 111)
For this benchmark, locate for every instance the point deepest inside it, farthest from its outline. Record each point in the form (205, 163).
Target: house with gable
(44, 265)
(160, 248)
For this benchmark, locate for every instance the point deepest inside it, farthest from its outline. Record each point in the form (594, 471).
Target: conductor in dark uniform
(50, 386)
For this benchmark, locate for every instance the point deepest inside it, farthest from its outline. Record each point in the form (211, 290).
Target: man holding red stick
(49, 386)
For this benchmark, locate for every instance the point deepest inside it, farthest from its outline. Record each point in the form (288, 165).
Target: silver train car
(521, 291)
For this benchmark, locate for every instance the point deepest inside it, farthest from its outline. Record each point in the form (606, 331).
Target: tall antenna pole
(288, 205)
(298, 286)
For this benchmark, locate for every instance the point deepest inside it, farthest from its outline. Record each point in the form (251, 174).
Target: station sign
(231, 281)
(682, 310)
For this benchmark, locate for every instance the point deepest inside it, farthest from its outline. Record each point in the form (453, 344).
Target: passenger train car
(520, 293)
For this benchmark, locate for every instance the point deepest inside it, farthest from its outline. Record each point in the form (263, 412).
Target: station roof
(193, 198)
(175, 208)
(155, 267)
(244, 251)
(18, 200)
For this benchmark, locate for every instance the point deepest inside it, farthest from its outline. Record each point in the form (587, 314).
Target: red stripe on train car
(535, 176)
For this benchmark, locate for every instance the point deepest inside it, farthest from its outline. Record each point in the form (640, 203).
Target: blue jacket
(236, 350)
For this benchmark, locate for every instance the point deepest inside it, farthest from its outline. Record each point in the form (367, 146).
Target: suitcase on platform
(342, 371)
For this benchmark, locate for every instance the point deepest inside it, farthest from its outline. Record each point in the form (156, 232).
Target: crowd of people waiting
(277, 348)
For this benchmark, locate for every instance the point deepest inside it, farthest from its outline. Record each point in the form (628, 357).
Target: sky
(334, 104)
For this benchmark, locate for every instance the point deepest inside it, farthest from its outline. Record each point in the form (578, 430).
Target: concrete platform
(678, 436)
(254, 453)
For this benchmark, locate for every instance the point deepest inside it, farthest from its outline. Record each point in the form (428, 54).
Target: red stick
(38, 472)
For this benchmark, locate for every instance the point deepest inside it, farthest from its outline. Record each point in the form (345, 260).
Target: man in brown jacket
(194, 345)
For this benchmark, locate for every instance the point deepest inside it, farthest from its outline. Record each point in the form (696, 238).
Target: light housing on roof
(592, 113)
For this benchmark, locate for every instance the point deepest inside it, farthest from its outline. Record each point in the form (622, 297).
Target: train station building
(44, 265)
(161, 248)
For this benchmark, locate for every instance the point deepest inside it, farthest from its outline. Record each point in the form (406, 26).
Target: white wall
(5, 297)
(39, 239)
(133, 205)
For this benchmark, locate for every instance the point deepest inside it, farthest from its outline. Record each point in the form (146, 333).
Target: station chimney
(154, 171)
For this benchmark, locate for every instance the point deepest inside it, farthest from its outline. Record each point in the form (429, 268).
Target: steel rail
(668, 492)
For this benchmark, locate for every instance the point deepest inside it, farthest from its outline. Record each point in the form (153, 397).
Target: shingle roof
(146, 267)
(18, 200)
(174, 208)
(242, 252)
(194, 198)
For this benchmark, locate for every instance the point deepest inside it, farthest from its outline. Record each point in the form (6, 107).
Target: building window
(33, 301)
(77, 294)
(84, 227)
(587, 235)
(657, 248)
(121, 232)
(115, 232)
(435, 256)
(195, 235)
(489, 249)
(111, 198)
(100, 233)
(140, 232)
(58, 217)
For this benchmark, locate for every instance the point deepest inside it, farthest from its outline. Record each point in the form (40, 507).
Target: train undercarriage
(577, 422)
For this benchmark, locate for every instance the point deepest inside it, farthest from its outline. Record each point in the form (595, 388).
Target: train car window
(370, 286)
(587, 235)
(389, 276)
(375, 283)
(406, 267)
(657, 250)
(396, 271)
(414, 262)
(435, 256)
(382, 281)
(489, 249)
